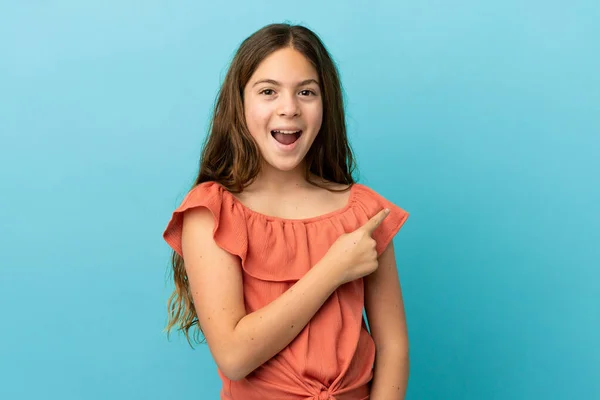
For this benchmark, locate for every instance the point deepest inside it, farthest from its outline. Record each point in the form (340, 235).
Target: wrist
(331, 271)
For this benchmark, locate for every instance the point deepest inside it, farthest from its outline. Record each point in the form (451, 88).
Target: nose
(288, 105)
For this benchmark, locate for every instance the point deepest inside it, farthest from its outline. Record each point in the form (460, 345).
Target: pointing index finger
(374, 222)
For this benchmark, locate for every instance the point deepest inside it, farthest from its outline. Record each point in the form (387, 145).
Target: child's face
(283, 94)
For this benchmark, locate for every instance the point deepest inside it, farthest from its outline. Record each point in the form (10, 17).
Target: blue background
(479, 118)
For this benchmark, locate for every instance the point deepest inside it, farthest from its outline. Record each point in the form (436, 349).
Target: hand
(354, 254)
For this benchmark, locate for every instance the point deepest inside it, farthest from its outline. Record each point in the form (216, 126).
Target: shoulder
(208, 188)
(370, 202)
(327, 184)
(368, 195)
(209, 194)
(343, 187)
(207, 206)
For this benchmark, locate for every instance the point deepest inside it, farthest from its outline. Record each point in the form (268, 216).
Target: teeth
(286, 132)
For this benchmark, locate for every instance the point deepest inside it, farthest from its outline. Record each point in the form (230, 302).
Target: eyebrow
(275, 83)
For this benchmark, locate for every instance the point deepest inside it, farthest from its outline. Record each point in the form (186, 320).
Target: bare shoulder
(329, 185)
(336, 195)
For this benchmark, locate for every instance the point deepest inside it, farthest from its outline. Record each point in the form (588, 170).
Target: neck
(273, 180)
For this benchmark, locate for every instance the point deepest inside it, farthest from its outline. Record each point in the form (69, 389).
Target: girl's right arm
(241, 342)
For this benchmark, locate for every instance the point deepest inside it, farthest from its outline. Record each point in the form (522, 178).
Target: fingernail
(387, 210)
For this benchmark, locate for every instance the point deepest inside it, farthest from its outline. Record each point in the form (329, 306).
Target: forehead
(287, 66)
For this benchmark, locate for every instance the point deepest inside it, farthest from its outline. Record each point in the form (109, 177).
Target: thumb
(374, 222)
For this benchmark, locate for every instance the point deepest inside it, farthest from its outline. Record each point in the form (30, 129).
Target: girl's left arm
(385, 313)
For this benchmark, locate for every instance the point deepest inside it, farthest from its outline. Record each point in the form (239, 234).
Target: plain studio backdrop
(479, 118)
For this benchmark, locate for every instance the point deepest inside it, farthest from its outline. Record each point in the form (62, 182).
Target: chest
(295, 206)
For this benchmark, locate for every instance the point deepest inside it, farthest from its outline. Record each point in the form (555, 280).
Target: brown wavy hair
(231, 157)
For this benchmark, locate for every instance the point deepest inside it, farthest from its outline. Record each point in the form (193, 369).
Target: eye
(307, 92)
(264, 91)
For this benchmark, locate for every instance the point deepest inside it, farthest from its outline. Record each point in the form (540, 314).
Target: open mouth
(286, 137)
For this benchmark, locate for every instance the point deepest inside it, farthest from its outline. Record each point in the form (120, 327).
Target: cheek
(316, 114)
(257, 117)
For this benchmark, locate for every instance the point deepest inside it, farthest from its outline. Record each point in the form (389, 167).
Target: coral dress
(333, 356)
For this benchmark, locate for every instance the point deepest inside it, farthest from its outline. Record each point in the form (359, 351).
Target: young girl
(276, 250)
